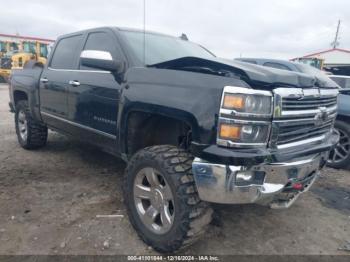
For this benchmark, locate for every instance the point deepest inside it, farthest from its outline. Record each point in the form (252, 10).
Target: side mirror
(101, 60)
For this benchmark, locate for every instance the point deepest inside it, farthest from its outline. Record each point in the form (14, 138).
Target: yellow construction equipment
(311, 61)
(29, 51)
(14, 55)
(5, 62)
(5, 70)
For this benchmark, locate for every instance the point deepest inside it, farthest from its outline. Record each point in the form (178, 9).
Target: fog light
(246, 178)
(203, 169)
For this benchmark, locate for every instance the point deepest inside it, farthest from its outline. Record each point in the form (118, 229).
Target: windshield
(161, 48)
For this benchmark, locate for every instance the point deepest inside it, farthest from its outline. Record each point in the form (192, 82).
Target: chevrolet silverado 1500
(194, 129)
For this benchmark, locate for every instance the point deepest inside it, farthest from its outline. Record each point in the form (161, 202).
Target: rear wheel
(339, 157)
(161, 198)
(30, 133)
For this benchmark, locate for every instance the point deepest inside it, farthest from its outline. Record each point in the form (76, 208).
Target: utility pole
(144, 32)
(335, 43)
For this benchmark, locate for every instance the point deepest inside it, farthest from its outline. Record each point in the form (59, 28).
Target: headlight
(245, 117)
(246, 102)
(251, 104)
(240, 133)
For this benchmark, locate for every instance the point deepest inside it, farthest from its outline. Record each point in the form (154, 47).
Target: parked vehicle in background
(194, 129)
(340, 155)
(342, 81)
(4, 75)
(274, 63)
(5, 68)
(284, 65)
(30, 51)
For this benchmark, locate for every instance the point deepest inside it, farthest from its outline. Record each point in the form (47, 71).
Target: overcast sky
(248, 28)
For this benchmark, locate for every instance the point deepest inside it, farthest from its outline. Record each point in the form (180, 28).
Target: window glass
(43, 50)
(29, 47)
(2, 47)
(13, 47)
(277, 66)
(100, 41)
(65, 53)
(159, 48)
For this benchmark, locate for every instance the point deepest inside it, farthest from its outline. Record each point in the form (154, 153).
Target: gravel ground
(51, 202)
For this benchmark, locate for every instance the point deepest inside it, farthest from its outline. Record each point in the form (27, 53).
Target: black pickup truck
(194, 129)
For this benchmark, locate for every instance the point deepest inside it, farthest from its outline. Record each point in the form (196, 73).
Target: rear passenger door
(54, 82)
(94, 94)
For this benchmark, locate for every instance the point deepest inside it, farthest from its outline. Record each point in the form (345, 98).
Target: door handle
(74, 83)
(44, 80)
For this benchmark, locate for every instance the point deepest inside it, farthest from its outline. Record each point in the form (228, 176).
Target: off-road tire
(36, 131)
(192, 216)
(345, 129)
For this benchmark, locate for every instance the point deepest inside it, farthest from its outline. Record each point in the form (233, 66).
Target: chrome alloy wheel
(22, 125)
(342, 149)
(154, 200)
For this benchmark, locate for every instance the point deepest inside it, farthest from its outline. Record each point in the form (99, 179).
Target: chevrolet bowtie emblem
(321, 116)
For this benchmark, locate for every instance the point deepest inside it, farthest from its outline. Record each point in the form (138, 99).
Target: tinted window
(277, 66)
(65, 53)
(101, 41)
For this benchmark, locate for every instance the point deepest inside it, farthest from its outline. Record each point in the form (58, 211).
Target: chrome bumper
(274, 184)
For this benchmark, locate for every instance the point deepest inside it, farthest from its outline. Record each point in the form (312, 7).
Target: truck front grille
(292, 104)
(302, 116)
(292, 131)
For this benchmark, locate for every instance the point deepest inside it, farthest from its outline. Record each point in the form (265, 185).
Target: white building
(335, 61)
(333, 57)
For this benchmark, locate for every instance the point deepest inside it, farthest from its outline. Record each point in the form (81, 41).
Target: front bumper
(274, 183)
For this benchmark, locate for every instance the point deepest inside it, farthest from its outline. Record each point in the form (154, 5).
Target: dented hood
(254, 75)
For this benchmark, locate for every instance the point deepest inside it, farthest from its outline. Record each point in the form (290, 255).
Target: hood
(254, 75)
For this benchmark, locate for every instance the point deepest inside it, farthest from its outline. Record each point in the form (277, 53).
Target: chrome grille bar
(302, 115)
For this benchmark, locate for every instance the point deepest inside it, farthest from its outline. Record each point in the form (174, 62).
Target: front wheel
(339, 157)
(161, 198)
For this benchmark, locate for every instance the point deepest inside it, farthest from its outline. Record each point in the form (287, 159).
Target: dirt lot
(51, 199)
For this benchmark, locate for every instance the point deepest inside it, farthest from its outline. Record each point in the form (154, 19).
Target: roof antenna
(144, 32)
(184, 37)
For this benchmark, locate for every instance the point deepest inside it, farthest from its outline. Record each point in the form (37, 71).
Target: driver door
(93, 94)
